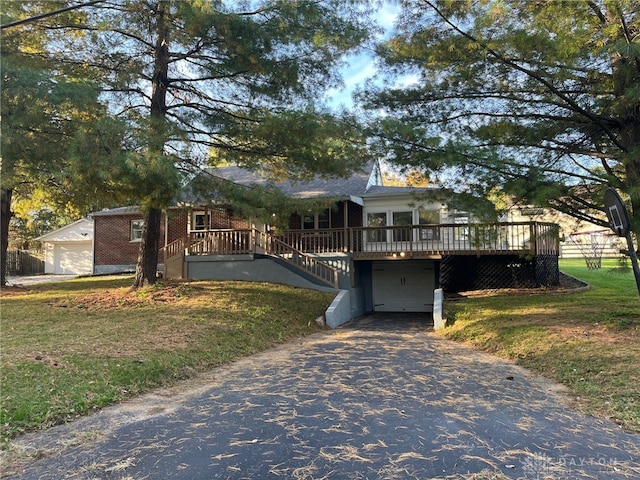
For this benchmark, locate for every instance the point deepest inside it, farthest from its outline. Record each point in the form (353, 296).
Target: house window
(429, 217)
(402, 219)
(201, 220)
(316, 221)
(308, 222)
(136, 230)
(461, 233)
(377, 220)
(324, 220)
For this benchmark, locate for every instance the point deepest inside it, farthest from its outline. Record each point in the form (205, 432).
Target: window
(136, 230)
(461, 233)
(429, 217)
(309, 222)
(377, 220)
(316, 221)
(402, 219)
(324, 220)
(201, 221)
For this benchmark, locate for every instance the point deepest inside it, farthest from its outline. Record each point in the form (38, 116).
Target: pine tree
(190, 79)
(540, 99)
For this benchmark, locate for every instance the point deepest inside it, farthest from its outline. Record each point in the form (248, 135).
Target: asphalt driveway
(381, 398)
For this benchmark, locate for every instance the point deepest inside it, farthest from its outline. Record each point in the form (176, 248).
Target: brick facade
(177, 220)
(223, 218)
(113, 246)
(115, 251)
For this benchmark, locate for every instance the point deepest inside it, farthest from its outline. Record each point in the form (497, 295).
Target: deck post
(346, 226)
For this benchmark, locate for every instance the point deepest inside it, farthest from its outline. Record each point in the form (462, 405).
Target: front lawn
(76, 346)
(589, 341)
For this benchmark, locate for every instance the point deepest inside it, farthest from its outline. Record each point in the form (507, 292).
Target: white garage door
(403, 286)
(73, 258)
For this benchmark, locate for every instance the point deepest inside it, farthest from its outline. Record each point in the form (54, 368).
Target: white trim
(357, 200)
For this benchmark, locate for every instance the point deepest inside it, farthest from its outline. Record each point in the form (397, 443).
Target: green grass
(589, 341)
(72, 347)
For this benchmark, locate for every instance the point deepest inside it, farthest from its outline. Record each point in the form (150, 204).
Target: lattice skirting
(459, 273)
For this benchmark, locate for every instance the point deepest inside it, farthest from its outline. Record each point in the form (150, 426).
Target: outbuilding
(69, 250)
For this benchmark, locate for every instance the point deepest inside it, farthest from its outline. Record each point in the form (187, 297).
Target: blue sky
(362, 66)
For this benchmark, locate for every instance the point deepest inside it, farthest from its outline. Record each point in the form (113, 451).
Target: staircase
(243, 242)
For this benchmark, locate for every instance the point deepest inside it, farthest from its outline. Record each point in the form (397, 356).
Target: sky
(360, 67)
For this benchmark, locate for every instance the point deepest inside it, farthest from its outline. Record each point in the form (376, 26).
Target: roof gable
(78, 231)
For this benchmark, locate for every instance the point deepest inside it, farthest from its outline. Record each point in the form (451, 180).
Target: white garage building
(69, 250)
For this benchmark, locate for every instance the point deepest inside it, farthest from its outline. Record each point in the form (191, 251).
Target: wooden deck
(423, 241)
(303, 249)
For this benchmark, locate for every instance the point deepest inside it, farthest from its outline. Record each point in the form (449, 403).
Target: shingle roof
(318, 187)
(117, 211)
(381, 191)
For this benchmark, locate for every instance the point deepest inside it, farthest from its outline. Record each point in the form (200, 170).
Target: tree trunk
(147, 265)
(5, 217)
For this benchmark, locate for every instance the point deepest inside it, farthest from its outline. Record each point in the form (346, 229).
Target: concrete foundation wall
(245, 268)
(339, 311)
(112, 269)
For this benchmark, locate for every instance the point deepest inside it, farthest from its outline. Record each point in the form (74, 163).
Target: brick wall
(177, 220)
(224, 218)
(112, 239)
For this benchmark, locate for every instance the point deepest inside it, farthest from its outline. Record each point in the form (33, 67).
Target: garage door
(73, 258)
(403, 286)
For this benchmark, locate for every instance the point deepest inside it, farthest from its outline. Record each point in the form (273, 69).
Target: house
(386, 248)
(69, 250)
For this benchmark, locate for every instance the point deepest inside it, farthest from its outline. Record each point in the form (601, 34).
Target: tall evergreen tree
(540, 98)
(190, 77)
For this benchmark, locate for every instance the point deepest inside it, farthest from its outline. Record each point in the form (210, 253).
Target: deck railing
(248, 241)
(221, 242)
(411, 241)
(311, 266)
(174, 249)
(316, 241)
(526, 238)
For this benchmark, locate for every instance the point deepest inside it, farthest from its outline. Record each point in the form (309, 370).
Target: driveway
(27, 280)
(379, 398)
